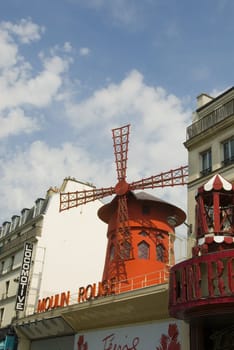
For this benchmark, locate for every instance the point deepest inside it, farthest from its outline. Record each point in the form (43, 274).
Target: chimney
(203, 99)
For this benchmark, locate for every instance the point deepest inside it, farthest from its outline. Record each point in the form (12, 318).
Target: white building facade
(210, 144)
(62, 254)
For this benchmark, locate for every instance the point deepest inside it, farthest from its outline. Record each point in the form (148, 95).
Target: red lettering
(55, 301)
(230, 275)
(81, 294)
(41, 305)
(197, 280)
(65, 299)
(58, 300)
(47, 303)
(210, 279)
(89, 292)
(220, 269)
(109, 343)
(190, 282)
(183, 285)
(105, 288)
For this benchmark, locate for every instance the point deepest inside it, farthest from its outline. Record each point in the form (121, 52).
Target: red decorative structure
(202, 288)
(139, 225)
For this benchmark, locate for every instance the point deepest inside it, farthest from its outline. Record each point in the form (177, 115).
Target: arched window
(126, 250)
(143, 250)
(160, 252)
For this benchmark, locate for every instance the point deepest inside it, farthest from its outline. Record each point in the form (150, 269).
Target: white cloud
(131, 100)
(84, 51)
(8, 50)
(67, 46)
(105, 104)
(17, 122)
(121, 11)
(28, 174)
(37, 91)
(19, 85)
(25, 30)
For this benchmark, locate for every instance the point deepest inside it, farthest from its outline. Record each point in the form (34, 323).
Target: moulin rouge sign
(90, 292)
(202, 277)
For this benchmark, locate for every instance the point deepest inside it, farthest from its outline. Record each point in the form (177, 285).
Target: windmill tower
(140, 226)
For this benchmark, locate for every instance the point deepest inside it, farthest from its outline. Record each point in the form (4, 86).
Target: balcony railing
(138, 282)
(228, 161)
(142, 281)
(211, 119)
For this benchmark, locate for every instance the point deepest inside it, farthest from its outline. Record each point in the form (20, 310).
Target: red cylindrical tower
(147, 248)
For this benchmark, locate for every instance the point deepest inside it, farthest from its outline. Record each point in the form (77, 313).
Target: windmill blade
(74, 199)
(120, 142)
(175, 177)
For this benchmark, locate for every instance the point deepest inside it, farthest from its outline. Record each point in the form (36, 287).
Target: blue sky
(71, 70)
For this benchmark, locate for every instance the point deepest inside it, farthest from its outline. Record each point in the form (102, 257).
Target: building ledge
(149, 303)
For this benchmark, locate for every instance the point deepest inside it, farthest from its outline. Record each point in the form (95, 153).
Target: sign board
(162, 335)
(24, 277)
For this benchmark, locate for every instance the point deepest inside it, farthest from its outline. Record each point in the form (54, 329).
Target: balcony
(203, 286)
(228, 161)
(211, 119)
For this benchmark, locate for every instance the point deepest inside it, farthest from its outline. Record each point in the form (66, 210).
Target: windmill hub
(121, 188)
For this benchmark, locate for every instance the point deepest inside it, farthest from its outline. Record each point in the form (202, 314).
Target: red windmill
(135, 221)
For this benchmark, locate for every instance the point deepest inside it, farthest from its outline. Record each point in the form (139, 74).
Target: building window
(7, 287)
(228, 151)
(206, 163)
(12, 262)
(2, 267)
(1, 315)
(160, 252)
(125, 250)
(143, 250)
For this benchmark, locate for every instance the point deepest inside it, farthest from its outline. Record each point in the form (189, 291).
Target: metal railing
(211, 119)
(142, 281)
(138, 282)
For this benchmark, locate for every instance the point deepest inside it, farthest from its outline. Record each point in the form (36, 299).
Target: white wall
(140, 337)
(75, 245)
